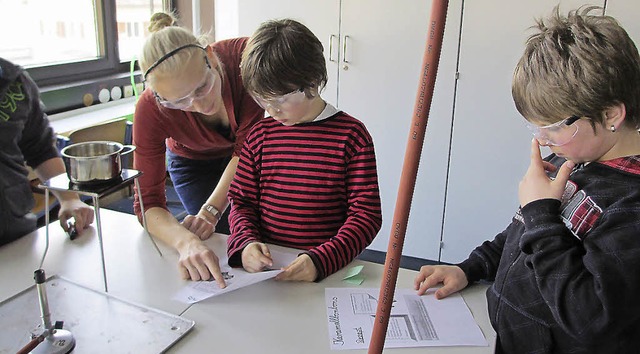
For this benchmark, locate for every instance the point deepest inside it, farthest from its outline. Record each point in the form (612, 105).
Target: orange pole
(409, 172)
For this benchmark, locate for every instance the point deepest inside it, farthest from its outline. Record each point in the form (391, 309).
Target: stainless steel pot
(94, 162)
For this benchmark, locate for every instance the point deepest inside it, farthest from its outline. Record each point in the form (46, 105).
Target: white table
(282, 317)
(134, 269)
(268, 317)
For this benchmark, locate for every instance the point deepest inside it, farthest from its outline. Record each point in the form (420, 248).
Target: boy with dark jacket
(566, 271)
(25, 136)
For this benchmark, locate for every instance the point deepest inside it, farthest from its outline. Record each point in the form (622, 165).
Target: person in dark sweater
(566, 271)
(26, 137)
(307, 174)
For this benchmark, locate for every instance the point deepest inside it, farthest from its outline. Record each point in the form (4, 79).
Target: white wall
(205, 15)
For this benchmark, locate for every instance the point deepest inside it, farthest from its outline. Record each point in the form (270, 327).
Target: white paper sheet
(235, 278)
(415, 321)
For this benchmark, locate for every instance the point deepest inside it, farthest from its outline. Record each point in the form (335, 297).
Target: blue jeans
(195, 180)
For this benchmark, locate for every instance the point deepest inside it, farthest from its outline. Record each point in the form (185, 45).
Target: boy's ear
(615, 115)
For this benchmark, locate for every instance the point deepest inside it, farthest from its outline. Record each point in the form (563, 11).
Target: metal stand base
(100, 323)
(59, 342)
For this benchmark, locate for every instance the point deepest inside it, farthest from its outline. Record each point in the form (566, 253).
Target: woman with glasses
(191, 121)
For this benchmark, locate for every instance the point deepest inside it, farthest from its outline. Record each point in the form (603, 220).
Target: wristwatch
(212, 210)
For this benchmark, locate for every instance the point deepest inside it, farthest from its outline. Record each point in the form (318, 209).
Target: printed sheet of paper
(415, 321)
(235, 278)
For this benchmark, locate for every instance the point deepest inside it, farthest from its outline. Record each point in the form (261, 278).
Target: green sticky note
(353, 275)
(355, 280)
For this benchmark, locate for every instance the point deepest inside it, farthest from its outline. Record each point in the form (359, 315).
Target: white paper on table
(235, 278)
(280, 258)
(415, 321)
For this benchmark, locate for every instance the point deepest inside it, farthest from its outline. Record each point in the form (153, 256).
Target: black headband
(166, 56)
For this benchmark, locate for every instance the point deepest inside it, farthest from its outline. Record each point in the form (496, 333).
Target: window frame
(108, 63)
(63, 86)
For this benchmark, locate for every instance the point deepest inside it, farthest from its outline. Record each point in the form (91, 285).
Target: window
(94, 42)
(133, 21)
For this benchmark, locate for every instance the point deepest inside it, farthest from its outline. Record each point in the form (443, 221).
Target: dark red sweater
(155, 128)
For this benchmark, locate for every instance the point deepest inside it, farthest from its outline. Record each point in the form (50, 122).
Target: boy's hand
(256, 257)
(79, 211)
(301, 269)
(452, 278)
(536, 185)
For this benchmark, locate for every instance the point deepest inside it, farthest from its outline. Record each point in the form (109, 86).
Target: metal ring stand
(52, 339)
(61, 183)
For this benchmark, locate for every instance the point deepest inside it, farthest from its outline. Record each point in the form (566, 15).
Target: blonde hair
(165, 37)
(580, 65)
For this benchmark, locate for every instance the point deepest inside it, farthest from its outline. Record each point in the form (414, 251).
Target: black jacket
(567, 275)
(25, 136)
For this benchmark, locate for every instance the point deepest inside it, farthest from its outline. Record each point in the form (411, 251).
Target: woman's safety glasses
(201, 91)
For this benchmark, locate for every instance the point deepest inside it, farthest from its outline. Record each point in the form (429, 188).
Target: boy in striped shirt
(307, 174)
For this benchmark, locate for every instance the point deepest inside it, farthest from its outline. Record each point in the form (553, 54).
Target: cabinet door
(321, 16)
(626, 12)
(379, 73)
(490, 144)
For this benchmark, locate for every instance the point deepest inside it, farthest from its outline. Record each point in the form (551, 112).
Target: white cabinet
(378, 84)
(322, 18)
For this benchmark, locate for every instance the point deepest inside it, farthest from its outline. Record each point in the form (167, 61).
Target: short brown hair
(580, 65)
(282, 56)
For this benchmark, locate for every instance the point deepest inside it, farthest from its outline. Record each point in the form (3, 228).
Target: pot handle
(127, 149)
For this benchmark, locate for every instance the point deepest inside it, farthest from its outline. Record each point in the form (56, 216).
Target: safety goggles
(204, 89)
(278, 102)
(556, 134)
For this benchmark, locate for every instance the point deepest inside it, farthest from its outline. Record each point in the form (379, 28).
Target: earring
(613, 128)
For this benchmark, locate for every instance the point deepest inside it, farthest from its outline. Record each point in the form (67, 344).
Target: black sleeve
(38, 140)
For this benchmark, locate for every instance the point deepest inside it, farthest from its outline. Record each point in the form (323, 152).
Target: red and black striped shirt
(311, 186)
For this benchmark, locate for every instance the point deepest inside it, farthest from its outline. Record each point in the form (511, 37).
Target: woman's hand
(198, 262)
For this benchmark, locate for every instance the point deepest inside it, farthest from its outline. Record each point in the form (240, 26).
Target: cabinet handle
(331, 38)
(344, 50)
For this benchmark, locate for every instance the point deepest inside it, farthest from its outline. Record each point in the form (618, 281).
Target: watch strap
(212, 210)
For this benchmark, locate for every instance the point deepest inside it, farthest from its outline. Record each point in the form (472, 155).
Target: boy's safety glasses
(278, 102)
(556, 134)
